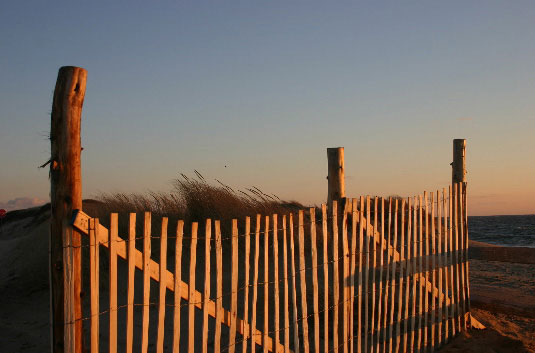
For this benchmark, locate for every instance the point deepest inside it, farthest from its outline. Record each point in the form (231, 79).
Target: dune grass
(191, 200)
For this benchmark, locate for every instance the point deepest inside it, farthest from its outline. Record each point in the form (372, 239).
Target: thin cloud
(465, 119)
(21, 202)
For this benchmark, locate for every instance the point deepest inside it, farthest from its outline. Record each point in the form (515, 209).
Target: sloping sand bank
(505, 333)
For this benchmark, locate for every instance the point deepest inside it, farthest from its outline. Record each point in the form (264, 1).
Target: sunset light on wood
(267, 176)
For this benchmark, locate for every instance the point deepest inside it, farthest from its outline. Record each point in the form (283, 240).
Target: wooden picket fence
(365, 275)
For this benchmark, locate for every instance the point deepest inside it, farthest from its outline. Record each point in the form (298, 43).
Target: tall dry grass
(192, 200)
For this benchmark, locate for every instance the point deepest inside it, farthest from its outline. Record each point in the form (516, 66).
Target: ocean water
(503, 230)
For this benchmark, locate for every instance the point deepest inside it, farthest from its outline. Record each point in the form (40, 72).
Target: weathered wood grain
(65, 197)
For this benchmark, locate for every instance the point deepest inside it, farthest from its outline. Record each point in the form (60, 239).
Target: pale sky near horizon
(252, 93)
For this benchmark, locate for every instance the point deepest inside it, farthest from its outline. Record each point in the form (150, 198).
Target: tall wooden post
(335, 178)
(458, 175)
(458, 169)
(66, 196)
(336, 193)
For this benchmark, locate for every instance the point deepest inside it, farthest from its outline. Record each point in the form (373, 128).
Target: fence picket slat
(293, 288)
(373, 269)
(374, 279)
(408, 269)
(380, 284)
(367, 273)
(131, 273)
(454, 311)
(433, 270)
(234, 288)
(426, 272)
(466, 260)
(206, 292)
(336, 279)
(387, 286)
(247, 258)
(265, 328)
(276, 334)
(414, 274)
(302, 282)
(359, 293)
(455, 253)
(255, 283)
(94, 282)
(466, 243)
(447, 270)
(114, 230)
(456, 256)
(324, 227)
(345, 274)
(163, 287)
(315, 287)
(219, 287)
(352, 282)
(448, 275)
(393, 281)
(440, 269)
(177, 285)
(421, 274)
(463, 260)
(146, 281)
(286, 315)
(192, 281)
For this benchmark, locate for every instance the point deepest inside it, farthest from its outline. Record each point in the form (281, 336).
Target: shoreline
(502, 278)
(502, 297)
(490, 252)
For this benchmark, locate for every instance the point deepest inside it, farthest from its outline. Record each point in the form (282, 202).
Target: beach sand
(503, 293)
(502, 298)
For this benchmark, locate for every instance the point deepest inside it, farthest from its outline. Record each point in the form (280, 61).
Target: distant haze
(252, 93)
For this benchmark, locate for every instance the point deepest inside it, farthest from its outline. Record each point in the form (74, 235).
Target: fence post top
(69, 67)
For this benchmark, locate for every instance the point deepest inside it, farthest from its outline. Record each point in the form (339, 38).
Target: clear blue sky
(265, 87)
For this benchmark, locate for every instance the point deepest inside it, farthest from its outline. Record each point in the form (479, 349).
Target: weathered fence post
(335, 178)
(65, 197)
(458, 172)
(458, 167)
(459, 176)
(336, 192)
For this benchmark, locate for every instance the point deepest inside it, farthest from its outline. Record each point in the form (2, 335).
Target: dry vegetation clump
(192, 200)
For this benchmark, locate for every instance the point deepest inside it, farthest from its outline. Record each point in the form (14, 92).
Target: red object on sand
(2, 213)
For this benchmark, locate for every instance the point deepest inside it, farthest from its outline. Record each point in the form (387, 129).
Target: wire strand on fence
(121, 240)
(371, 291)
(329, 217)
